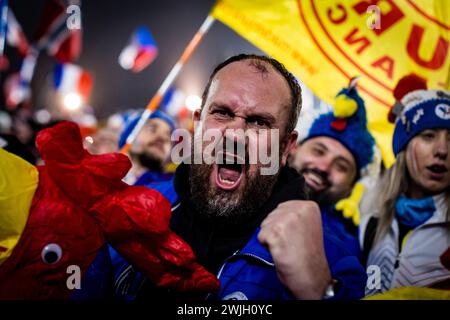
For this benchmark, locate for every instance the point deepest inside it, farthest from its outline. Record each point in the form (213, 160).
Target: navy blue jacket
(342, 228)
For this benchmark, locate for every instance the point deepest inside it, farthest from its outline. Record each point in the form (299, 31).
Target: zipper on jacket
(237, 254)
(271, 264)
(224, 263)
(221, 269)
(402, 246)
(397, 260)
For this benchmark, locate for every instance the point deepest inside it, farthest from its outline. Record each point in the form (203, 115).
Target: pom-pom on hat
(347, 123)
(417, 109)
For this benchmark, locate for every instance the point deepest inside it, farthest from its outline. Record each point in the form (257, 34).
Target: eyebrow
(320, 144)
(263, 116)
(259, 115)
(339, 158)
(219, 106)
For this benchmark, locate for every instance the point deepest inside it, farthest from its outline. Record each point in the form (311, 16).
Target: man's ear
(290, 144)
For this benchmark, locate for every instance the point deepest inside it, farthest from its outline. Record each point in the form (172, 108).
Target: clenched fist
(293, 234)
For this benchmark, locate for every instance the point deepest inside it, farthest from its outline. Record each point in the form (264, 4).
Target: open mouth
(315, 181)
(229, 175)
(437, 170)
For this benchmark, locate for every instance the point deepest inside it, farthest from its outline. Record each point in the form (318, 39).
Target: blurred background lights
(193, 102)
(72, 101)
(43, 116)
(89, 139)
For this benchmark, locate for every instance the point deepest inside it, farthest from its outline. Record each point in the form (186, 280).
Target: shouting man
(247, 220)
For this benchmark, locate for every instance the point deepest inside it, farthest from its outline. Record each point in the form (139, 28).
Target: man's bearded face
(258, 102)
(328, 167)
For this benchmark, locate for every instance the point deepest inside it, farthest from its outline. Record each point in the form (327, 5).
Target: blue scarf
(414, 212)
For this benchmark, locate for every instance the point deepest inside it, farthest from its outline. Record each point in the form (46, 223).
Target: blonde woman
(406, 233)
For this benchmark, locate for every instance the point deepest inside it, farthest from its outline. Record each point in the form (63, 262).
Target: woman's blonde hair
(392, 184)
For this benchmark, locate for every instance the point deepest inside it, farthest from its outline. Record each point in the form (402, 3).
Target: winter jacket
(250, 274)
(244, 267)
(419, 261)
(342, 228)
(162, 182)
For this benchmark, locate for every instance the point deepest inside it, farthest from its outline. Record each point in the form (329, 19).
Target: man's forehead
(240, 80)
(250, 68)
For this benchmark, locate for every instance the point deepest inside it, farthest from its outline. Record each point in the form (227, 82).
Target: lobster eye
(51, 253)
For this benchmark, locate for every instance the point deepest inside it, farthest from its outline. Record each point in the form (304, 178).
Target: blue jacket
(96, 281)
(341, 228)
(160, 181)
(250, 273)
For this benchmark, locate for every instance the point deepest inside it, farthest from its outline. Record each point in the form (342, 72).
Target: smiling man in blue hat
(151, 149)
(333, 157)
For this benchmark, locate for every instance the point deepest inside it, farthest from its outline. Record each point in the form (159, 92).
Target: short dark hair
(258, 62)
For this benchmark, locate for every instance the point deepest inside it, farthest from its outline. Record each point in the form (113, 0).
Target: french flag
(140, 51)
(53, 34)
(15, 36)
(17, 87)
(16, 91)
(173, 101)
(70, 78)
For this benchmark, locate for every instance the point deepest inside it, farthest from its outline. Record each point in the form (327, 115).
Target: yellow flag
(412, 293)
(18, 182)
(327, 42)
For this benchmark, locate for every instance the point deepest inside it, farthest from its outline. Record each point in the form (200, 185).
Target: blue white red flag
(140, 51)
(54, 35)
(15, 36)
(3, 20)
(173, 101)
(70, 78)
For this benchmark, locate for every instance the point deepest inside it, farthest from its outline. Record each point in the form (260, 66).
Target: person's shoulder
(166, 188)
(290, 186)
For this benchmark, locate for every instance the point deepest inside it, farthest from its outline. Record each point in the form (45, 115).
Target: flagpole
(156, 100)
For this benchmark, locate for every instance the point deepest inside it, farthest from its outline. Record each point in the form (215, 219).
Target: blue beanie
(422, 109)
(133, 120)
(347, 123)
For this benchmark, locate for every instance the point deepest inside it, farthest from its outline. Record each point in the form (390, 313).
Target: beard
(229, 207)
(324, 197)
(149, 161)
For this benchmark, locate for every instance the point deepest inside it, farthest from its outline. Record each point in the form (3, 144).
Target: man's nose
(235, 129)
(235, 136)
(324, 164)
(161, 136)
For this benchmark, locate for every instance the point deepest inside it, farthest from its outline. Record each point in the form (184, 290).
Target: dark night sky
(107, 26)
